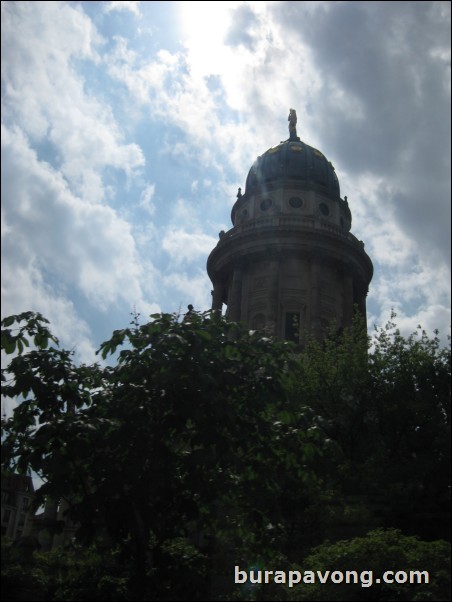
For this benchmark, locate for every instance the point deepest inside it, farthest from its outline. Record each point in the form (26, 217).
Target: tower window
(295, 202)
(6, 516)
(292, 326)
(324, 209)
(266, 204)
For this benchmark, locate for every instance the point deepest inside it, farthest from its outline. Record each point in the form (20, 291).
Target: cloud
(244, 22)
(23, 287)
(80, 244)
(186, 247)
(392, 69)
(118, 5)
(192, 288)
(64, 249)
(146, 199)
(46, 97)
(82, 216)
(372, 91)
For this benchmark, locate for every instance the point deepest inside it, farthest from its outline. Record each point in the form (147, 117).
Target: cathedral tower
(290, 264)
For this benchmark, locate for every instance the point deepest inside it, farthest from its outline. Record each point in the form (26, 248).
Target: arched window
(324, 209)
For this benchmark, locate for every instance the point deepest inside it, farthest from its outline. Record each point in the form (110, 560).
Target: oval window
(295, 202)
(266, 204)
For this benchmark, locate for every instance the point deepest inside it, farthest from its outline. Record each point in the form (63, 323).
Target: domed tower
(290, 264)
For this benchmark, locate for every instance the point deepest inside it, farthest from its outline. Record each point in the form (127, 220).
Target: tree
(385, 405)
(189, 436)
(379, 551)
(409, 469)
(77, 573)
(203, 445)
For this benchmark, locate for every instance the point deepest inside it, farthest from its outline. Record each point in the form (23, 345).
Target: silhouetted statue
(292, 119)
(189, 313)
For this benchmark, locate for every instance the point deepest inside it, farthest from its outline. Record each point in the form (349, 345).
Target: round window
(295, 202)
(266, 204)
(324, 209)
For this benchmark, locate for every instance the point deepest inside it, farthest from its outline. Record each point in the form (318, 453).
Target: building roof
(292, 160)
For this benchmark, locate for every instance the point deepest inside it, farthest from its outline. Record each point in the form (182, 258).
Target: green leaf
(8, 342)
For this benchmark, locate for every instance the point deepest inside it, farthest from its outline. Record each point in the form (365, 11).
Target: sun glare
(204, 26)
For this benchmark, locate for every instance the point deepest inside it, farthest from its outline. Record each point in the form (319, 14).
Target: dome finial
(292, 119)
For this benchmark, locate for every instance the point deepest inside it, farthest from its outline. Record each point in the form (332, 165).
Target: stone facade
(17, 495)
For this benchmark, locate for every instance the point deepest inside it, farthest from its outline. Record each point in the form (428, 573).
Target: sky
(127, 128)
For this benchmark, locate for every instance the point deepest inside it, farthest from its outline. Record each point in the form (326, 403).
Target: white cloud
(122, 5)
(431, 319)
(23, 288)
(192, 288)
(146, 199)
(66, 253)
(372, 116)
(186, 247)
(46, 97)
(85, 244)
(216, 102)
(195, 89)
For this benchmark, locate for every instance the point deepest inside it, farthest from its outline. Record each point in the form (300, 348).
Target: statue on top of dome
(292, 119)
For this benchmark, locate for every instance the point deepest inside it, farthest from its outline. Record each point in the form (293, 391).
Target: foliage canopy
(203, 444)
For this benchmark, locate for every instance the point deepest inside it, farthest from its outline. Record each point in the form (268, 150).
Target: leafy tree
(408, 471)
(204, 445)
(77, 573)
(384, 403)
(190, 434)
(379, 551)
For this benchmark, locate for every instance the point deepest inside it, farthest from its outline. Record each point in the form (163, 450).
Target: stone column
(315, 302)
(217, 296)
(235, 301)
(273, 298)
(361, 295)
(347, 308)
